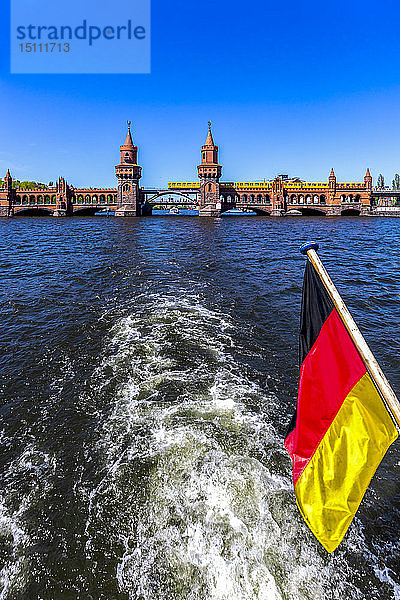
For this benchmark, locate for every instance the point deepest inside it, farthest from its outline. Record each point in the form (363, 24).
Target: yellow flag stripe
(331, 487)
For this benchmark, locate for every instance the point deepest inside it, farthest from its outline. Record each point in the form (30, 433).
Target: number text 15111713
(46, 47)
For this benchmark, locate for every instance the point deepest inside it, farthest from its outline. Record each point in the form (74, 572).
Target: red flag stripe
(330, 370)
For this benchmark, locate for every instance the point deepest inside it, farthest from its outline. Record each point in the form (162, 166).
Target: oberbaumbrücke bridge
(282, 196)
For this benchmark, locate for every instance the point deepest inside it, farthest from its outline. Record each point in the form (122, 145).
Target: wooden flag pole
(370, 362)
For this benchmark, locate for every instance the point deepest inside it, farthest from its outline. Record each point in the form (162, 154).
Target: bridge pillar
(209, 172)
(210, 210)
(128, 174)
(146, 210)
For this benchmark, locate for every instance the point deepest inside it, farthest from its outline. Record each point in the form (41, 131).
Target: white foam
(217, 523)
(35, 465)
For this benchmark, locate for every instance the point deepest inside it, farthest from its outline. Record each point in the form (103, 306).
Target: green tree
(30, 185)
(396, 182)
(381, 182)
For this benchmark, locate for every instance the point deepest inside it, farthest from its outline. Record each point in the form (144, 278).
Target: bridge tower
(279, 200)
(128, 174)
(62, 198)
(209, 174)
(332, 187)
(367, 197)
(7, 194)
(368, 181)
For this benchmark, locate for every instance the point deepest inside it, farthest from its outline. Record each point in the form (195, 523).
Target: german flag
(341, 429)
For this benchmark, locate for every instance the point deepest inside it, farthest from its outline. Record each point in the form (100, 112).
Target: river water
(148, 374)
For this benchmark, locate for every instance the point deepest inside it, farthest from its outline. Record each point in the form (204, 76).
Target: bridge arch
(350, 212)
(311, 211)
(187, 199)
(257, 209)
(28, 211)
(84, 209)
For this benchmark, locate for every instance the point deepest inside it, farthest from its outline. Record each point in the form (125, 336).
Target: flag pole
(368, 358)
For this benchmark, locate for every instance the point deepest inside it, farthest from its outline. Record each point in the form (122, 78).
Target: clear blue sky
(291, 87)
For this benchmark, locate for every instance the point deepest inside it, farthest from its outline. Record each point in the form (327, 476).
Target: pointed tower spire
(332, 181)
(209, 140)
(128, 141)
(209, 152)
(128, 150)
(8, 180)
(368, 180)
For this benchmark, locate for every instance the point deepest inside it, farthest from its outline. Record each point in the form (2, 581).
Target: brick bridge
(211, 196)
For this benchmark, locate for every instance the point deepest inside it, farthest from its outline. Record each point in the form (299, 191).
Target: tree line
(380, 184)
(28, 185)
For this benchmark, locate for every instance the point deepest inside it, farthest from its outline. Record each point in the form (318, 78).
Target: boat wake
(185, 489)
(199, 482)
